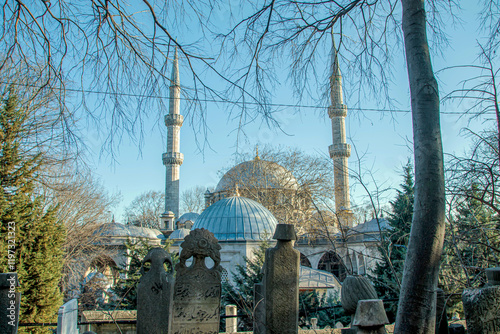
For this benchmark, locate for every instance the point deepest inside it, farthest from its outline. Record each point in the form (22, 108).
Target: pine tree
(388, 273)
(244, 278)
(38, 236)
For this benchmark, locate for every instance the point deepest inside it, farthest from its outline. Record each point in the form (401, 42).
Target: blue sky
(382, 138)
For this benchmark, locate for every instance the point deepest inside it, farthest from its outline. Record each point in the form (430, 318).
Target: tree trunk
(417, 302)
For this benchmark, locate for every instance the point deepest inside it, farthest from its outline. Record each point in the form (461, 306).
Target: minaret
(340, 150)
(173, 158)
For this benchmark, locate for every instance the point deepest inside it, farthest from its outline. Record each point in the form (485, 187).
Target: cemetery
(189, 301)
(272, 245)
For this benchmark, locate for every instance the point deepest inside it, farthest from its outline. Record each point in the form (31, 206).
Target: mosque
(242, 211)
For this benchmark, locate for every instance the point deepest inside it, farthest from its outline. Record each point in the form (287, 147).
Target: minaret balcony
(340, 150)
(339, 110)
(174, 119)
(173, 158)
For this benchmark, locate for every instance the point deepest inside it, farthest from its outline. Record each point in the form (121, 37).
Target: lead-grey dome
(238, 219)
(257, 173)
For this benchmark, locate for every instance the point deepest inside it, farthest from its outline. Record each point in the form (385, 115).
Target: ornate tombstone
(197, 288)
(154, 294)
(482, 306)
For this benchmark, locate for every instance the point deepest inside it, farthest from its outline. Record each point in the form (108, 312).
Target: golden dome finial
(257, 152)
(237, 191)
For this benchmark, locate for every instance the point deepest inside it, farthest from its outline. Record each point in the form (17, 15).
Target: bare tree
(83, 206)
(145, 209)
(481, 90)
(120, 51)
(193, 200)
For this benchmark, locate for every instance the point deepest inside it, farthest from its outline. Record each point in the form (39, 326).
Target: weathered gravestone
(482, 306)
(259, 309)
(370, 317)
(154, 293)
(197, 288)
(281, 283)
(9, 303)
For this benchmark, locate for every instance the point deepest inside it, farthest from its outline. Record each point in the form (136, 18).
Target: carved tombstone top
(198, 288)
(199, 244)
(154, 293)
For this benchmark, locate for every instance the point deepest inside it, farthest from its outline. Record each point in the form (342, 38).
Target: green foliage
(388, 273)
(31, 238)
(125, 291)
(326, 309)
(241, 293)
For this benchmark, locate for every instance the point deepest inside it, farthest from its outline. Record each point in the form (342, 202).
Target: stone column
(281, 277)
(155, 294)
(259, 309)
(67, 318)
(231, 323)
(10, 301)
(482, 306)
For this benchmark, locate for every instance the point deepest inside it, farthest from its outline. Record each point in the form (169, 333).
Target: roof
(257, 173)
(317, 279)
(121, 230)
(238, 219)
(192, 216)
(179, 234)
(371, 226)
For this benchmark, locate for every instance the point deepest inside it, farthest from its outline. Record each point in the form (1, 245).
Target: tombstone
(67, 318)
(441, 318)
(354, 289)
(197, 288)
(259, 309)
(154, 293)
(370, 317)
(231, 323)
(482, 306)
(10, 301)
(281, 283)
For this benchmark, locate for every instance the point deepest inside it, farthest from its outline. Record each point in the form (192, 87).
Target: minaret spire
(339, 150)
(173, 158)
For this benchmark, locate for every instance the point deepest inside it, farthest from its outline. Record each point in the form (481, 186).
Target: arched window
(332, 263)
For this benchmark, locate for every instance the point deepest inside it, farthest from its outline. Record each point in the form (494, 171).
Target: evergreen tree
(245, 277)
(388, 273)
(25, 224)
(125, 291)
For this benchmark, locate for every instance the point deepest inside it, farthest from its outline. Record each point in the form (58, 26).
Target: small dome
(179, 234)
(257, 173)
(237, 218)
(192, 216)
(131, 231)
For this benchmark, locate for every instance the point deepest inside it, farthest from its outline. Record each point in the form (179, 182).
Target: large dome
(237, 218)
(257, 173)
